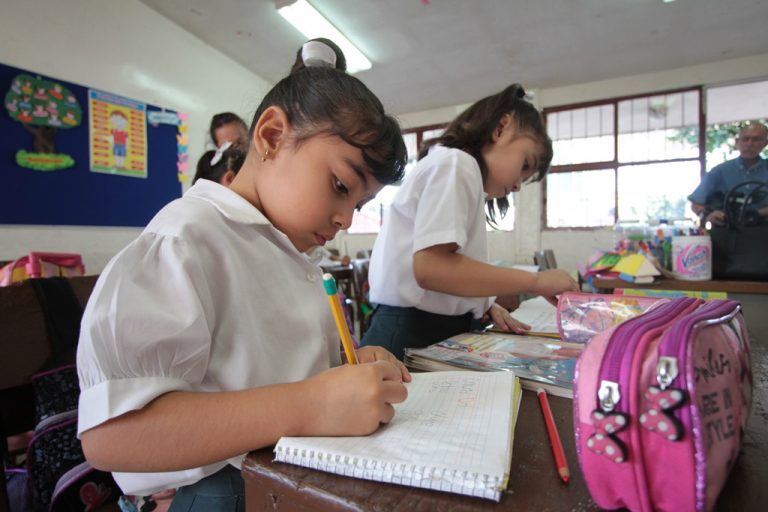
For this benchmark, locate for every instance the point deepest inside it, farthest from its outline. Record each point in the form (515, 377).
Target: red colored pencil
(554, 437)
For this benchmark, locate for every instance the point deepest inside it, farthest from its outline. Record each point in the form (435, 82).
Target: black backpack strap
(62, 312)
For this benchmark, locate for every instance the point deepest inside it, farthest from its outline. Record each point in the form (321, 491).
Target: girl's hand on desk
(503, 320)
(370, 354)
(549, 283)
(353, 400)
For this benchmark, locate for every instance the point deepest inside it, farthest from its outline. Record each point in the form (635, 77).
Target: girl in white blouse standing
(210, 335)
(429, 271)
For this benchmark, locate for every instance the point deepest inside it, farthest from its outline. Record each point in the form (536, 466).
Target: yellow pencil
(338, 316)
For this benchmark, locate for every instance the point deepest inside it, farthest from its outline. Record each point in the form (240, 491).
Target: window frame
(615, 164)
(420, 130)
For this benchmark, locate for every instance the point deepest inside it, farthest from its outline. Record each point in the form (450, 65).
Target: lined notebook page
(454, 433)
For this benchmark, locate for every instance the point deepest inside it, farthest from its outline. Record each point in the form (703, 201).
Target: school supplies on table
(454, 433)
(538, 362)
(661, 404)
(554, 437)
(635, 268)
(338, 316)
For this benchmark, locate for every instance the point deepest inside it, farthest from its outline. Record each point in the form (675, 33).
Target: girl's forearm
(181, 430)
(455, 274)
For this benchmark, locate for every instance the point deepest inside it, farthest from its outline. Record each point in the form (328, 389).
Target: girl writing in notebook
(211, 335)
(429, 268)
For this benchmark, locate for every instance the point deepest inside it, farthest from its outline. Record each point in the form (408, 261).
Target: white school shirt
(441, 201)
(210, 297)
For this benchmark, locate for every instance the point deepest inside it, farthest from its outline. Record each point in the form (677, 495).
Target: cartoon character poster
(118, 135)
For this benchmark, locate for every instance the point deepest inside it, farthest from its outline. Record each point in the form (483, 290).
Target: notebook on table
(454, 433)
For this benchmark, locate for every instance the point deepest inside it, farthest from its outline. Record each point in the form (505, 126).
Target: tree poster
(42, 107)
(118, 135)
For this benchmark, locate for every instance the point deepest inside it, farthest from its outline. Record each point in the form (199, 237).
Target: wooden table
(678, 284)
(534, 485)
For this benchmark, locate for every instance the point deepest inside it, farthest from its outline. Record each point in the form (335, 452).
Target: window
(626, 159)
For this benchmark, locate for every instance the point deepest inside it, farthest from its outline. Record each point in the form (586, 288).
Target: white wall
(123, 47)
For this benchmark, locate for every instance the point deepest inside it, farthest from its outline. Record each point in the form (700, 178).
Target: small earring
(266, 155)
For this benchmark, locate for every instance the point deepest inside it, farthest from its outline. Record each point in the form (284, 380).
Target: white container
(692, 258)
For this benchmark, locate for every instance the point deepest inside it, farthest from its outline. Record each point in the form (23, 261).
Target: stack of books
(539, 362)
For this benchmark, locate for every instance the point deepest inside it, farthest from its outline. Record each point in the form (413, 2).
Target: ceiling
(434, 53)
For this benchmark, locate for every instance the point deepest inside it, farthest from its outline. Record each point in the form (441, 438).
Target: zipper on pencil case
(673, 348)
(617, 362)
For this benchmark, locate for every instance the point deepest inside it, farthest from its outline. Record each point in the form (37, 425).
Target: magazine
(539, 362)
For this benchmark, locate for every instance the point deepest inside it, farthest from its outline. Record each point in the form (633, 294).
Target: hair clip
(220, 152)
(318, 54)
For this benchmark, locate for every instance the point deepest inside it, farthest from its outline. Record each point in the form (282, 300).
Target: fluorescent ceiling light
(312, 24)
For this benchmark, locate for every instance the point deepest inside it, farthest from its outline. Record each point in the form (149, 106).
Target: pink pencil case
(660, 404)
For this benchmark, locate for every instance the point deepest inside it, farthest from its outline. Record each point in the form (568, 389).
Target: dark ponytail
(471, 130)
(231, 159)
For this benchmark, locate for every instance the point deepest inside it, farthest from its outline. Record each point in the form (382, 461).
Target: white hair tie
(318, 54)
(220, 152)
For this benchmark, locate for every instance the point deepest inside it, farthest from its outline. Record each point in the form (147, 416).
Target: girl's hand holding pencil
(353, 400)
(360, 395)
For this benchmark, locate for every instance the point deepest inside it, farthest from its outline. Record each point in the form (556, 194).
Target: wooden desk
(676, 284)
(534, 484)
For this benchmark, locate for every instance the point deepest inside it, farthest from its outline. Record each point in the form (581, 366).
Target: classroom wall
(122, 47)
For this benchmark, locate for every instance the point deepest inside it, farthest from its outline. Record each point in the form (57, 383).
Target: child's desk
(534, 484)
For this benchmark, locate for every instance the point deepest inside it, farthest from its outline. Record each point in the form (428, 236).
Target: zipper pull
(608, 423)
(608, 395)
(666, 371)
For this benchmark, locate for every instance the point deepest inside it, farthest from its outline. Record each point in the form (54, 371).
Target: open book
(538, 362)
(454, 433)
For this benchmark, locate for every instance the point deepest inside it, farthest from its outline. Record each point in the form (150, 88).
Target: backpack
(58, 478)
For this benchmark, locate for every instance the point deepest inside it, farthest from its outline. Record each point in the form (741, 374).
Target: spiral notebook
(454, 433)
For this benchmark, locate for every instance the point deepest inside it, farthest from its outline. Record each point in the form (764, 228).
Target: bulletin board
(72, 155)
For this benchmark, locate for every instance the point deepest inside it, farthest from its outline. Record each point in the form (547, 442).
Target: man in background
(708, 198)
